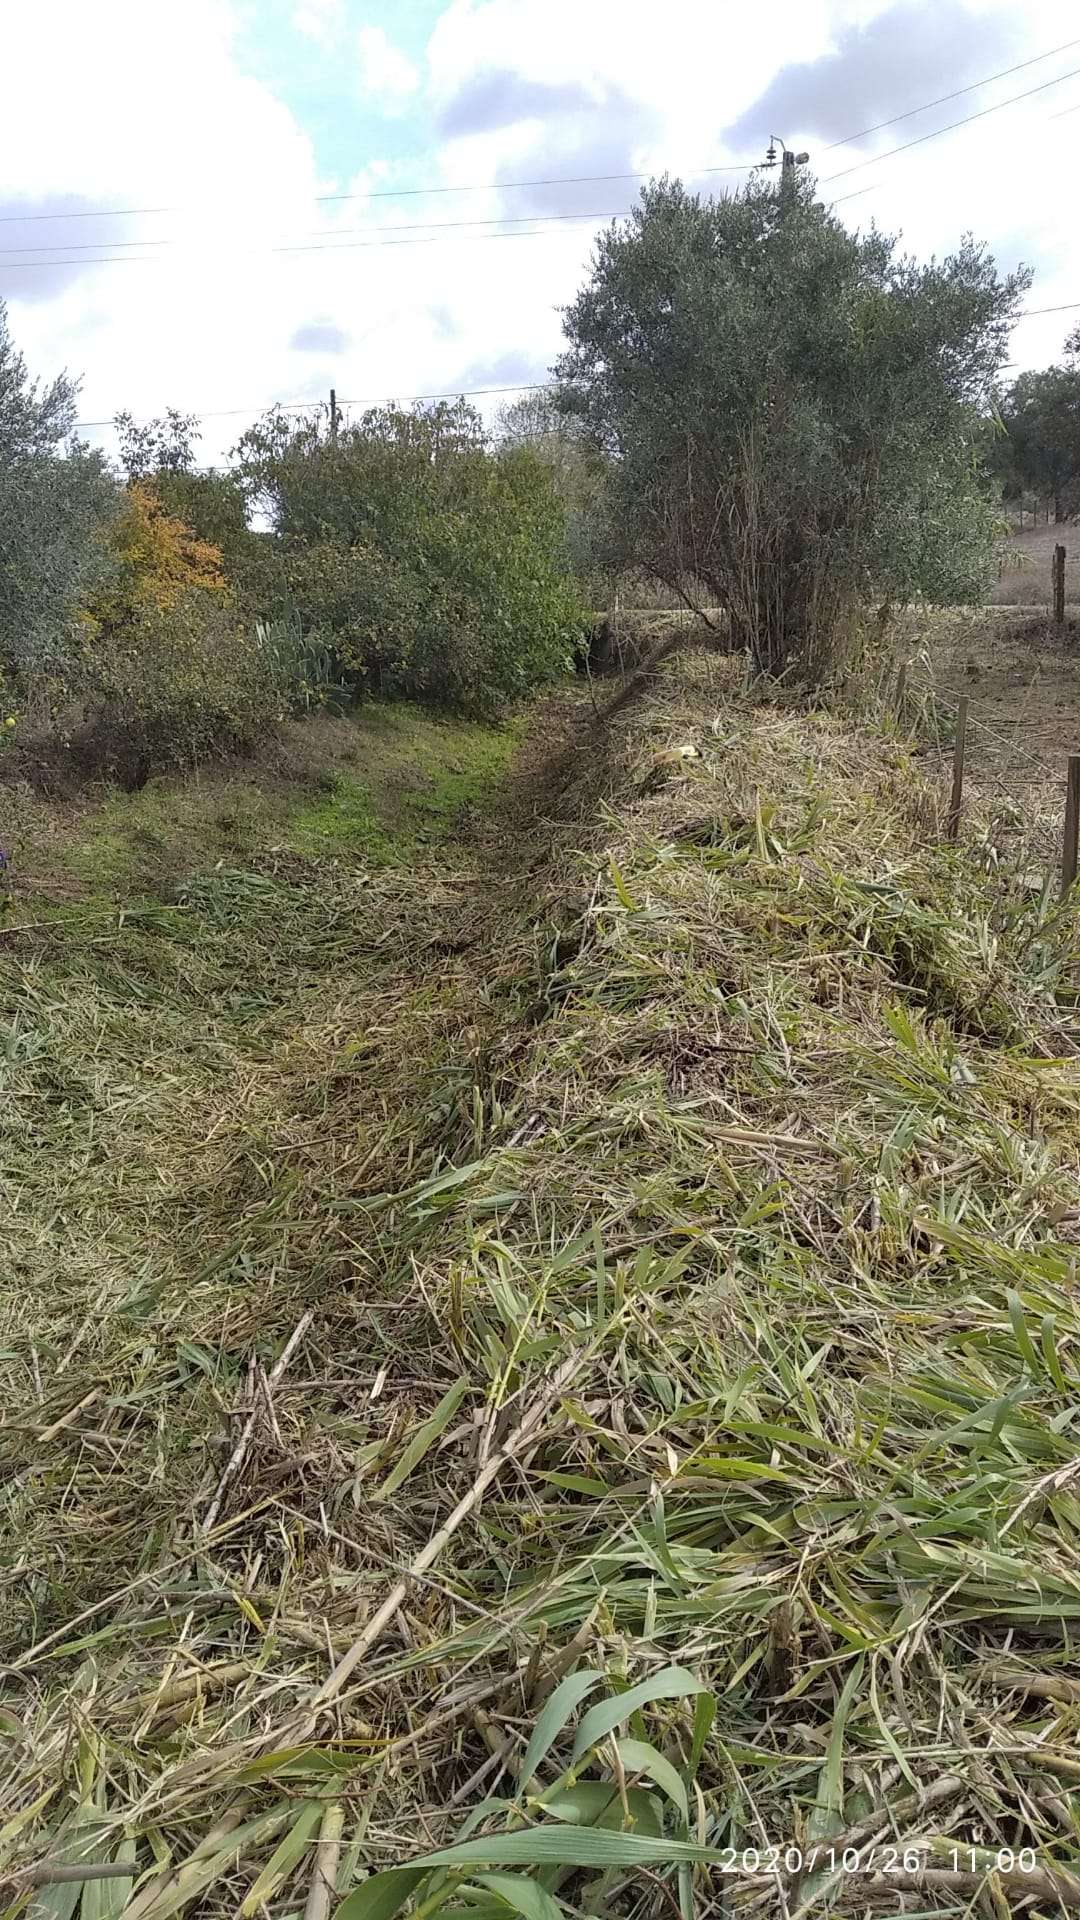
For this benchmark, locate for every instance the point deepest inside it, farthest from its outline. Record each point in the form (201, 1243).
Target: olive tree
(54, 504)
(790, 410)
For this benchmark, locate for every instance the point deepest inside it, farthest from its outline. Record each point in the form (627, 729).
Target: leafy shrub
(493, 612)
(305, 670)
(156, 561)
(169, 673)
(173, 685)
(429, 565)
(357, 603)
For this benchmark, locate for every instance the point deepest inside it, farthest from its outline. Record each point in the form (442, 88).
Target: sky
(228, 203)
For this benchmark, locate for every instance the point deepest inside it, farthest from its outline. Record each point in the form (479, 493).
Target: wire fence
(1040, 825)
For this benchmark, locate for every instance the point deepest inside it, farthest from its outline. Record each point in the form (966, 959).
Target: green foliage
(790, 410)
(152, 447)
(432, 566)
(581, 479)
(301, 666)
(1040, 449)
(213, 506)
(174, 684)
(52, 511)
(170, 672)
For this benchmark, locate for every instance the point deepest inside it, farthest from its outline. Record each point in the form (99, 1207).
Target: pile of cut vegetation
(587, 1419)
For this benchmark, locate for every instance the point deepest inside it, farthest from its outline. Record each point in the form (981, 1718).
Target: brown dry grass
(759, 1110)
(1021, 677)
(1025, 566)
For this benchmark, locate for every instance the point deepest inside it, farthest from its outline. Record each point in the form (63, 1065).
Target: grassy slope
(763, 1108)
(375, 787)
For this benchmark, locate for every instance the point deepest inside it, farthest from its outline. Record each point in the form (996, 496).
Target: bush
(492, 611)
(155, 561)
(303, 668)
(429, 565)
(169, 673)
(174, 685)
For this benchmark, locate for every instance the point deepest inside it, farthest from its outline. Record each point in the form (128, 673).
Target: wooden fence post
(1058, 577)
(1072, 824)
(952, 825)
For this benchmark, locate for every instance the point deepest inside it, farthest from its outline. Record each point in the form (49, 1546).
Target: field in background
(1021, 677)
(1025, 574)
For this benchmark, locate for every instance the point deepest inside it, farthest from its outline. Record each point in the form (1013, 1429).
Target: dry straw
(678, 1233)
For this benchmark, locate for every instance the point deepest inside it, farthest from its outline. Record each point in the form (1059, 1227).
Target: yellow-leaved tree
(156, 560)
(170, 672)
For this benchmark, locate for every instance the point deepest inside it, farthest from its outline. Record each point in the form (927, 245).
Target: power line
(943, 98)
(907, 145)
(380, 400)
(534, 230)
(413, 226)
(584, 179)
(1029, 313)
(538, 221)
(449, 393)
(430, 239)
(398, 193)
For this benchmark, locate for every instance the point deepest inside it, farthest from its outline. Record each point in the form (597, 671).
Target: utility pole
(333, 415)
(788, 163)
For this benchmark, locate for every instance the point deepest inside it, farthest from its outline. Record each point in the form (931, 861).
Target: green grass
(134, 843)
(347, 819)
(734, 1151)
(374, 787)
(417, 776)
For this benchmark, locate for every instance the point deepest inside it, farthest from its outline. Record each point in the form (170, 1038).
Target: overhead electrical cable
(906, 146)
(579, 179)
(553, 223)
(447, 393)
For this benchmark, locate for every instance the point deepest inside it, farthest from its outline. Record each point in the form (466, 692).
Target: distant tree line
(1037, 453)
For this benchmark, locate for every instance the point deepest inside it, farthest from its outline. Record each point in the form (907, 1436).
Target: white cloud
(320, 20)
(385, 72)
(149, 106)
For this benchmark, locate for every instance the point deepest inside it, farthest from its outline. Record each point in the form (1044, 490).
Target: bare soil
(1021, 676)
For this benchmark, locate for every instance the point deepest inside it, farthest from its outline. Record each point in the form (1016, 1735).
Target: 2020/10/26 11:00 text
(875, 1859)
